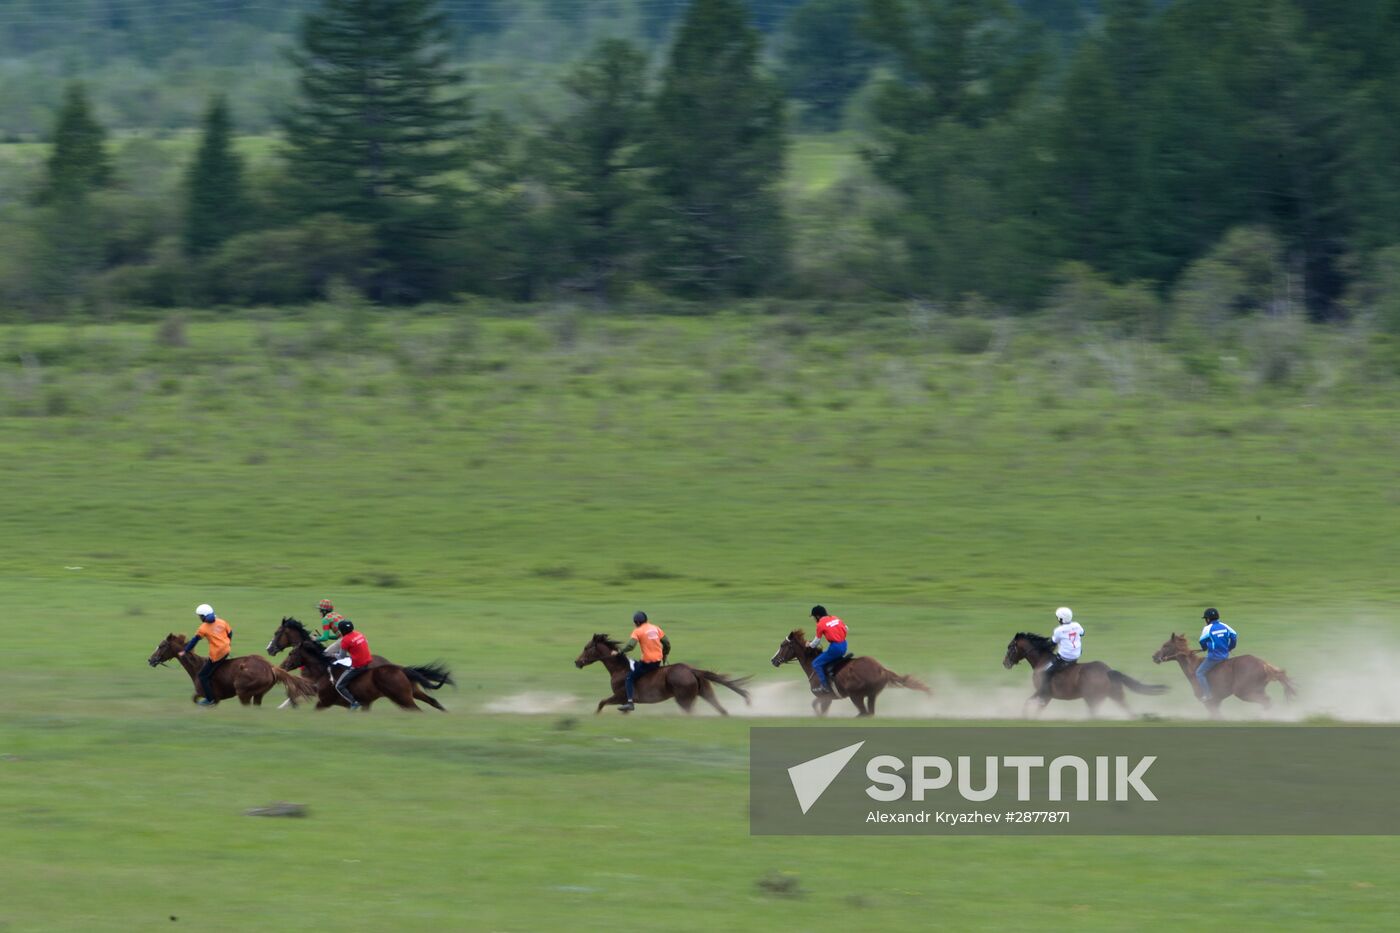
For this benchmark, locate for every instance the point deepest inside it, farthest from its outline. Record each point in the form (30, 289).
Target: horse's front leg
(613, 700)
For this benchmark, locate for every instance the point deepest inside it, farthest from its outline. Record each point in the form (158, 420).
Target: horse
(680, 682)
(292, 632)
(399, 684)
(248, 677)
(1243, 676)
(858, 679)
(1093, 682)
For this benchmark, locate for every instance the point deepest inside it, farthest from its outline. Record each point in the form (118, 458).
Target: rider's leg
(833, 652)
(1044, 692)
(342, 686)
(206, 679)
(1201, 673)
(638, 669)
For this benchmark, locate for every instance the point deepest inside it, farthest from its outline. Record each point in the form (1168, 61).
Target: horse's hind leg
(420, 695)
(870, 702)
(707, 693)
(859, 701)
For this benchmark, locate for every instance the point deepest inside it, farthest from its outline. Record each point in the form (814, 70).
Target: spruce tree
(717, 147)
(379, 125)
(78, 162)
(215, 206)
(597, 165)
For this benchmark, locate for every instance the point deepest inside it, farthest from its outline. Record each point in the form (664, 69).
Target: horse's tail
(1272, 674)
(909, 681)
(736, 684)
(433, 676)
(298, 688)
(1136, 686)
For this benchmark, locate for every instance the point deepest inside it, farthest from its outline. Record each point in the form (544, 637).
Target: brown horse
(291, 633)
(1092, 682)
(399, 684)
(1243, 676)
(858, 679)
(680, 682)
(249, 677)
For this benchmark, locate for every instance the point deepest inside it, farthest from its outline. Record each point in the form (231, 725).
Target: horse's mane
(1039, 642)
(314, 649)
(612, 643)
(800, 634)
(296, 625)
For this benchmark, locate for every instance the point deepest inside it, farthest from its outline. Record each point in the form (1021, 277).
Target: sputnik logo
(811, 778)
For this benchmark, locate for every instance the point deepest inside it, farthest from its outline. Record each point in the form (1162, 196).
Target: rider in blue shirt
(1218, 640)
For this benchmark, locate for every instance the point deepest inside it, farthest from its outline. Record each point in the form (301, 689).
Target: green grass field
(492, 494)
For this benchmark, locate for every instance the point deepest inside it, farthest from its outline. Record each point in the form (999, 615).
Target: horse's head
(288, 635)
(790, 649)
(1025, 646)
(293, 660)
(1174, 647)
(598, 648)
(169, 647)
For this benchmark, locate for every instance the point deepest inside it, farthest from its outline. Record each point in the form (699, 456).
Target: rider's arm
(665, 647)
(631, 643)
(189, 645)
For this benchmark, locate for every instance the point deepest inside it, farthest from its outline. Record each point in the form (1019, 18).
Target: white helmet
(204, 610)
(1064, 615)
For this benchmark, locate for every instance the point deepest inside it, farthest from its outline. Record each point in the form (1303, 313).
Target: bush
(1082, 297)
(291, 264)
(971, 335)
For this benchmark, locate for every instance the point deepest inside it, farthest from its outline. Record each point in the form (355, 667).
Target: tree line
(1189, 159)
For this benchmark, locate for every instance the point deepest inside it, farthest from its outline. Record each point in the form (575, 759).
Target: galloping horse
(292, 633)
(858, 679)
(249, 677)
(1244, 675)
(1092, 682)
(399, 684)
(680, 682)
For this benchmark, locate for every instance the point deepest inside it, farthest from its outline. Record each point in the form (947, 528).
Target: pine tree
(598, 175)
(78, 162)
(379, 126)
(717, 145)
(215, 206)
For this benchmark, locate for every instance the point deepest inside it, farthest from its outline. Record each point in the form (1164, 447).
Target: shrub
(970, 335)
(291, 264)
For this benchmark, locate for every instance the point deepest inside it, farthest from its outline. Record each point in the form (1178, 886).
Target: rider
(329, 620)
(1218, 640)
(1068, 638)
(655, 649)
(834, 631)
(352, 643)
(219, 634)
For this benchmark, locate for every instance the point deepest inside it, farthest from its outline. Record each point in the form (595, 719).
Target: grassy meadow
(491, 489)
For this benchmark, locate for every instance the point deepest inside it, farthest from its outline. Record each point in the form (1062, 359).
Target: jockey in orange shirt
(655, 647)
(219, 634)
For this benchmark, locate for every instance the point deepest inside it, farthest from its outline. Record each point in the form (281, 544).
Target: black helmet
(346, 626)
(1210, 615)
(818, 611)
(638, 618)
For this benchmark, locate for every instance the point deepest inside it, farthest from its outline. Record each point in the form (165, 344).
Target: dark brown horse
(291, 633)
(1092, 682)
(1243, 676)
(249, 677)
(399, 684)
(679, 682)
(858, 679)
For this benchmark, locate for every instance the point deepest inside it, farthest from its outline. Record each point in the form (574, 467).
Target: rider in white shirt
(1068, 638)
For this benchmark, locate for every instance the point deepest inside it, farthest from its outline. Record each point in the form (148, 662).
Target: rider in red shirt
(352, 643)
(834, 631)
